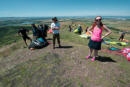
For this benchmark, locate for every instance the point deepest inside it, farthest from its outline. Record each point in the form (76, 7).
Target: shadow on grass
(65, 47)
(105, 59)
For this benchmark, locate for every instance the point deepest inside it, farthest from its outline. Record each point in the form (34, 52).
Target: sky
(40, 8)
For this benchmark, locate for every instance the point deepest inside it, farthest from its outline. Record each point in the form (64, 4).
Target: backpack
(36, 44)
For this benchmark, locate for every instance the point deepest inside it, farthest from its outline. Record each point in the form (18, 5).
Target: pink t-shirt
(96, 34)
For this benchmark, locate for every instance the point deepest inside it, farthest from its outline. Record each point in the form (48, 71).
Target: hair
(34, 26)
(54, 19)
(94, 24)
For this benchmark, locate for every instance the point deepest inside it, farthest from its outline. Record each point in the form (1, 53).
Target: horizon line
(71, 16)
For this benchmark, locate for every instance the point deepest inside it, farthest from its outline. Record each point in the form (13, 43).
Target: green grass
(9, 34)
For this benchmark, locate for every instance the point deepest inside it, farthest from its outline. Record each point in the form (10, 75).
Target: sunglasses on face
(98, 19)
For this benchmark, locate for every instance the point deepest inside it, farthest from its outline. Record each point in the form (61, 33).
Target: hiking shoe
(93, 59)
(87, 57)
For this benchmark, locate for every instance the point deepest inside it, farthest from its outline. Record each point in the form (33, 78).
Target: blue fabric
(34, 32)
(41, 40)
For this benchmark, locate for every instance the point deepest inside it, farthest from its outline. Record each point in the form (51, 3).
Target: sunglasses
(98, 19)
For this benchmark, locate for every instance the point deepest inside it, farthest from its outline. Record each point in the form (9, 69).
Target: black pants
(26, 37)
(56, 36)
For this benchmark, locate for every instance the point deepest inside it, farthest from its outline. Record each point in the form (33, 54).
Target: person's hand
(90, 32)
(56, 27)
(102, 37)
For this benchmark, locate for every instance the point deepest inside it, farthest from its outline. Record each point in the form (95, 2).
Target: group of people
(40, 34)
(95, 30)
(79, 29)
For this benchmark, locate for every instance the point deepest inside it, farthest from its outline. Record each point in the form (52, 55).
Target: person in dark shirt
(44, 28)
(122, 36)
(34, 30)
(37, 31)
(23, 33)
(70, 29)
(80, 29)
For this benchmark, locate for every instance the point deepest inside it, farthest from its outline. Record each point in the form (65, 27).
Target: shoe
(87, 57)
(53, 47)
(93, 59)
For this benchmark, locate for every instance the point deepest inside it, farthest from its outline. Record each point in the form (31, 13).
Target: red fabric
(128, 58)
(50, 31)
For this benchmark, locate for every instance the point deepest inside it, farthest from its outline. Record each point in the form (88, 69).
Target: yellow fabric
(76, 30)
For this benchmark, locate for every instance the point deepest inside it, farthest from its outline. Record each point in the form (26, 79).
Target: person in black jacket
(23, 32)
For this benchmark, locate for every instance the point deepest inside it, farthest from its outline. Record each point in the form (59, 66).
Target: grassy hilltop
(65, 67)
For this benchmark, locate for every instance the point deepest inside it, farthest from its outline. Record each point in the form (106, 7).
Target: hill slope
(63, 67)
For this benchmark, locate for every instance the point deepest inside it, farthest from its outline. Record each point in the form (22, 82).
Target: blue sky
(34, 8)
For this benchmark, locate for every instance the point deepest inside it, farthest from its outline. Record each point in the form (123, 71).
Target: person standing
(23, 33)
(55, 26)
(122, 36)
(80, 29)
(70, 29)
(96, 37)
(35, 31)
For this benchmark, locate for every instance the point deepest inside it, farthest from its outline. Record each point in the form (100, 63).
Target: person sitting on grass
(55, 26)
(96, 37)
(23, 33)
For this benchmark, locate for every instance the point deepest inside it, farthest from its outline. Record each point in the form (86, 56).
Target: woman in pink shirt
(96, 37)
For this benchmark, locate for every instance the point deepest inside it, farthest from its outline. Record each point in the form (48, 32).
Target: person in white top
(55, 26)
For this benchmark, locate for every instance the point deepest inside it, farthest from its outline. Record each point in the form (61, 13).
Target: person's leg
(54, 37)
(79, 32)
(122, 37)
(95, 54)
(29, 38)
(119, 38)
(90, 53)
(24, 39)
(58, 40)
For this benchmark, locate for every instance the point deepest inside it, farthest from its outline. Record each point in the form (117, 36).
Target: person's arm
(56, 28)
(89, 30)
(108, 31)
(52, 26)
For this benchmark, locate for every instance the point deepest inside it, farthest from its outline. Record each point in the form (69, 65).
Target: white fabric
(53, 25)
(98, 18)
